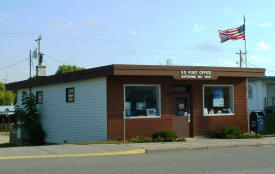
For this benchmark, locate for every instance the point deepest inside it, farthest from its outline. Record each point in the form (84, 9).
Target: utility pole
(30, 70)
(30, 63)
(38, 48)
(4, 92)
(241, 57)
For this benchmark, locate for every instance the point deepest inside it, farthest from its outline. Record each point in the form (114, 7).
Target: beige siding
(83, 120)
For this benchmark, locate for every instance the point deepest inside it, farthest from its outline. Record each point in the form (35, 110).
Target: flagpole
(245, 42)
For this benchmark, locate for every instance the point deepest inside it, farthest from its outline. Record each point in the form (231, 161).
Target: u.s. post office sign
(195, 74)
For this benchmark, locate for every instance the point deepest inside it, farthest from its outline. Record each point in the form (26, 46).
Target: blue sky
(95, 33)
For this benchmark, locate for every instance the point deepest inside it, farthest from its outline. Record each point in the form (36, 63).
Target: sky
(94, 33)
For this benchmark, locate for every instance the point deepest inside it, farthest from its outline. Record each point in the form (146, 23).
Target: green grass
(270, 126)
(5, 133)
(98, 142)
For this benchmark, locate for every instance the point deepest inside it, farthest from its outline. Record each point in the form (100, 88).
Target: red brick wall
(135, 126)
(204, 124)
(146, 126)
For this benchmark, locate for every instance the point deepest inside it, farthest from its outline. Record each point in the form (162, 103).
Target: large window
(218, 100)
(142, 101)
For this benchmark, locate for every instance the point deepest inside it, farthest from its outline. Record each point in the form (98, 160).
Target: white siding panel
(256, 103)
(85, 119)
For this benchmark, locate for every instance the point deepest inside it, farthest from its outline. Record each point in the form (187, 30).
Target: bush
(231, 132)
(28, 119)
(37, 134)
(140, 139)
(164, 135)
(247, 135)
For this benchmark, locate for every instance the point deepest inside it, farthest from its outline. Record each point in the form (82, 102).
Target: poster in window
(140, 106)
(218, 97)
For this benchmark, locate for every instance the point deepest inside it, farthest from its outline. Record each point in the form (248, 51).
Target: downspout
(248, 118)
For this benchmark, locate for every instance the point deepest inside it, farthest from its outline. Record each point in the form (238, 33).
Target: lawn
(270, 126)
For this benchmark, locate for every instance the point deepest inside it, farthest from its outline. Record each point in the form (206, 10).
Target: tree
(28, 119)
(2, 86)
(67, 68)
(6, 96)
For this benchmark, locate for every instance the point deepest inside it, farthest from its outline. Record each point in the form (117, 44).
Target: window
(39, 97)
(69, 94)
(218, 100)
(250, 92)
(142, 101)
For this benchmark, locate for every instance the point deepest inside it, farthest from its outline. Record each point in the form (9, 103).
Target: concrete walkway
(190, 144)
(204, 143)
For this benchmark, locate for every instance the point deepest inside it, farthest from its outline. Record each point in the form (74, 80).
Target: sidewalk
(112, 149)
(204, 143)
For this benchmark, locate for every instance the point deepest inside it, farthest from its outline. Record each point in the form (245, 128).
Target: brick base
(202, 125)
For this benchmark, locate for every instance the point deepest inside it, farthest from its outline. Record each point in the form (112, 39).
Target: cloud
(260, 59)
(132, 32)
(262, 46)
(207, 46)
(61, 25)
(198, 28)
(266, 24)
(4, 15)
(96, 25)
(132, 51)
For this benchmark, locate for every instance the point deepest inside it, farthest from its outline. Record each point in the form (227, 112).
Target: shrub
(247, 135)
(233, 132)
(230, 132)
(164, 135)
(28, 119)
(140, 139)
(180, 139)
(37, 134)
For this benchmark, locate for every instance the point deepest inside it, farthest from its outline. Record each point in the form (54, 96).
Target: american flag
(233, 34)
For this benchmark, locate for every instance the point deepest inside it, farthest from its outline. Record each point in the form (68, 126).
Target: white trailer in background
(261, 94)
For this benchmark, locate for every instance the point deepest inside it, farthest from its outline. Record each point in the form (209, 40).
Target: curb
(127, 152)
(209, 147)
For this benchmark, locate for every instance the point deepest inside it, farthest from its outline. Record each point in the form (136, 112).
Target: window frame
(233, 98)
(140, 85)
(37, 101)
(67, 90)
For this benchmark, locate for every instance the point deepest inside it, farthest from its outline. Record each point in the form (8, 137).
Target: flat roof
(262, 78)
(138, 70)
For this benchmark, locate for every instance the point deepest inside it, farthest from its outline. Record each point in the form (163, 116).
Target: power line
(259, 67)
(11, 65)
(58, 60)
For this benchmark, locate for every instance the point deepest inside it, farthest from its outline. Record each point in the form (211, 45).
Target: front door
(182, 111)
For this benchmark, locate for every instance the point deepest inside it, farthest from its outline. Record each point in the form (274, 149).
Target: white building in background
(261, 94)
(7, 110)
